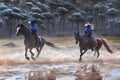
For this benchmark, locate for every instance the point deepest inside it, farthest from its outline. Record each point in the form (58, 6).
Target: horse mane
(26, 29)
(82, 36)
(24, 26)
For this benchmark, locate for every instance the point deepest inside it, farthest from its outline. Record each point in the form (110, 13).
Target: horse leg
(26, 49)
(95, 53)
(98, 48)
(94, 50)
(39, 50)
(32, 54)
(98, 53)
(81, 53)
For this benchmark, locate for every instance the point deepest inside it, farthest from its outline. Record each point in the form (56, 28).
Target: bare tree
(77, 18)
(62, 12)
(48, 16)
(112, 13)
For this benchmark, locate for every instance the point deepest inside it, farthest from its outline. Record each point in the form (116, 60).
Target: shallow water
(114, 75)
(16, 78)
(64, 60)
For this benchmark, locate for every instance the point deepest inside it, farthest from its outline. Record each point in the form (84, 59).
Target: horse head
(19, 29)
(76, 36)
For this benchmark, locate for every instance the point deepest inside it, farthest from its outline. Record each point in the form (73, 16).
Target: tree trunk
(48, 21)
(63, 28)
(53, 25)
(111, 23)
(77, 27)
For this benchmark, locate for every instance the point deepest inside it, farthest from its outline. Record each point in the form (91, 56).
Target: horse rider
(34, 29)
(88, 31)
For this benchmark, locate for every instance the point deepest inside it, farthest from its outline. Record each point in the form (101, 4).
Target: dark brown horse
(84, 45)
(30, 41)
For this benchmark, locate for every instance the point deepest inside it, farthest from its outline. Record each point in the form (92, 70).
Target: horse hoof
(33, 58)
(27, 58)
(80, 59)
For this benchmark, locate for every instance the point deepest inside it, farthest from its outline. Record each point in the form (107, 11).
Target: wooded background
(60, 17)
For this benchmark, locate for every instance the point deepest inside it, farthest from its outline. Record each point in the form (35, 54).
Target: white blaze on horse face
(18, 30)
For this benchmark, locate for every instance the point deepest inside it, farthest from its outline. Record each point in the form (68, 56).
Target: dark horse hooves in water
(29, 41)
(84, 44)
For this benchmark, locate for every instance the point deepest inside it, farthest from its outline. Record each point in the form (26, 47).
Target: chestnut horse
(84, 45)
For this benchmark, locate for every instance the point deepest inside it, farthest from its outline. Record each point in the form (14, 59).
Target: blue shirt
(88, 32)
(34, 27)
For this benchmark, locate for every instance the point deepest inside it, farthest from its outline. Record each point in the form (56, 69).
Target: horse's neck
(27, 33)
(80, 39)
(83, 40)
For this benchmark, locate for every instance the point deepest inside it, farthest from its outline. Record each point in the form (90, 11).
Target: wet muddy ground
(62, 61)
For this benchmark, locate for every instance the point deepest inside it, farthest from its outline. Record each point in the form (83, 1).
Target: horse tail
(106, 46)
(50, 44)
